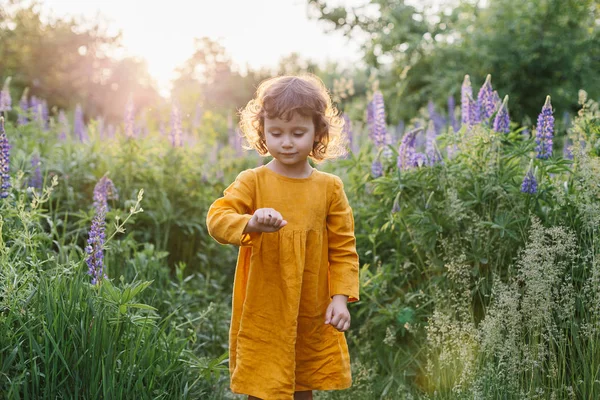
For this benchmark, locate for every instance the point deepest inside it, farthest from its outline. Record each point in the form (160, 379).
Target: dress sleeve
(228, 215)
(343, 258)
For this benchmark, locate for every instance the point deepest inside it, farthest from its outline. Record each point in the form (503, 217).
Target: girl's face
(290, 142)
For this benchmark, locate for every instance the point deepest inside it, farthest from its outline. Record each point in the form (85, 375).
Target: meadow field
(478, 243)
(473, 172)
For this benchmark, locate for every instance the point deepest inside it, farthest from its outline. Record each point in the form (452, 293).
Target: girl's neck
(300, 170)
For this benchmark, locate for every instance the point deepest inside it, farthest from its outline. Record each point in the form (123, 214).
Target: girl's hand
(337, 313)
(265, 220)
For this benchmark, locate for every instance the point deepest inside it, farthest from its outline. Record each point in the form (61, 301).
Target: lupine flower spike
(529, 184)
(485, 100)
(371, 120)
(438, 120)
(473, 108)
(36, 178)
(4, 162)
(64, 128)
(406, 151)
(379, 127)
(502, 120)
(544, 131)
(376, 169)
(103, 191)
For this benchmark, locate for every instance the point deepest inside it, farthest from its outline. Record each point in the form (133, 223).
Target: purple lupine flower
(419, 159)
(23, 107)
(111, 131)
(438, 120)
(129, 118)
(347, 130)
(485, 100)
(4, 162)
(544, 131)
(64, 129)
(529, 184)
(94, 249)
(371, 119)
(451, 114)
(502, 119)
(33, 103)
(406, 151)
(379, 128)
(5, 99)
(103, 191)
(430, 148)
(36, 110)
(473, 108)
(79, 124)
(35, 180)
(466, 91)
(176, 129)
(376, 169)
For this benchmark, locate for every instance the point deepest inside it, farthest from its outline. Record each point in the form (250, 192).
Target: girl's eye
(298, 133)
(275, 133)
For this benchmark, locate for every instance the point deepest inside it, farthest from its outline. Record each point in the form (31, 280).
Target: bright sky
(253, 32)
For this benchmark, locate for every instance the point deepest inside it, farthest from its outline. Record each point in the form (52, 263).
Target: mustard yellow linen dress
(284, 281)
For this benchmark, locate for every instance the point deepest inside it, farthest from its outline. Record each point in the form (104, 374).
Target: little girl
(297, 265)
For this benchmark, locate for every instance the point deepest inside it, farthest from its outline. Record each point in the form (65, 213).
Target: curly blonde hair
(281, 97)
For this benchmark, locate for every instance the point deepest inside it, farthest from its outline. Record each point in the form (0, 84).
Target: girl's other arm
(343, 258)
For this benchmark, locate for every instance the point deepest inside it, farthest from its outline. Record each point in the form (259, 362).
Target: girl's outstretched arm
(228, 215)
(343, 258)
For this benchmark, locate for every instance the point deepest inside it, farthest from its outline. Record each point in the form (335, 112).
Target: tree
(532, 48)
(68, 62)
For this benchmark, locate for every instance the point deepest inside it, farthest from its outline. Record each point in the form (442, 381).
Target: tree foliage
(532, 48)
(66, 62)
